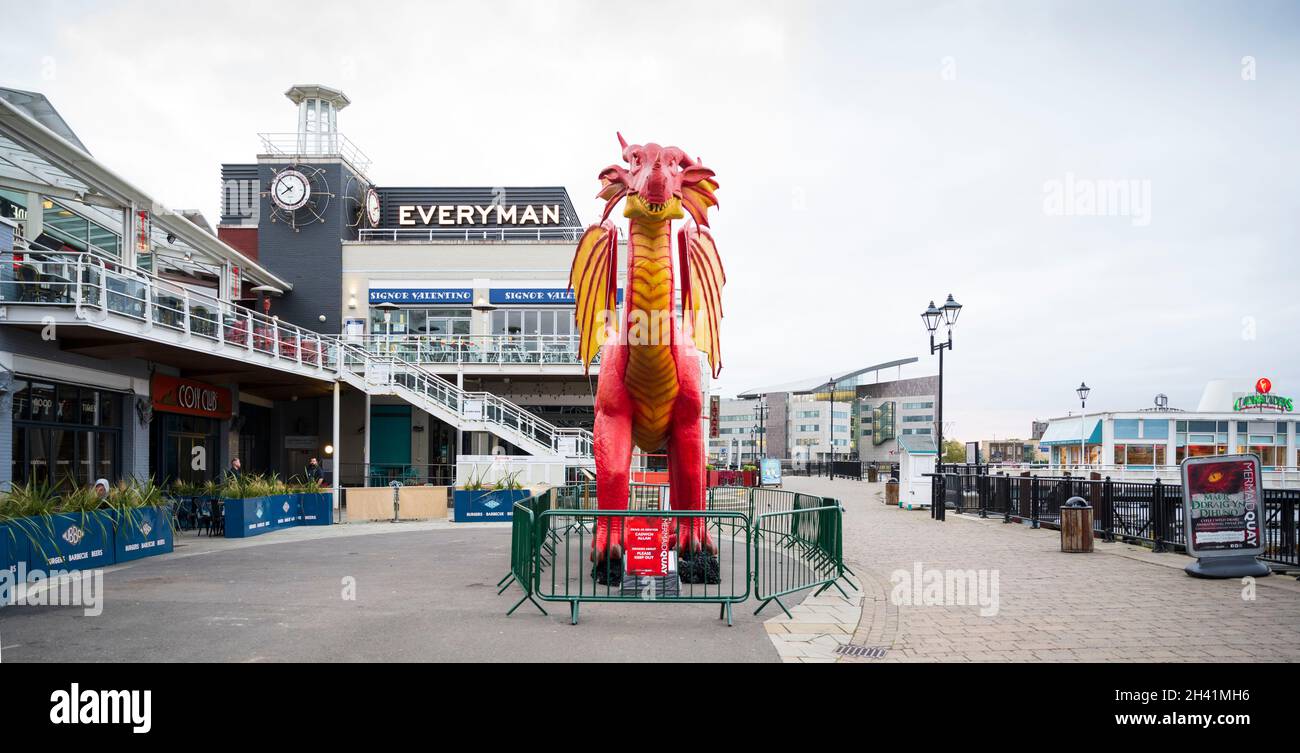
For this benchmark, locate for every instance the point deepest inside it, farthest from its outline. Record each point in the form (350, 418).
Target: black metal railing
(1146, 513)
(848, 469)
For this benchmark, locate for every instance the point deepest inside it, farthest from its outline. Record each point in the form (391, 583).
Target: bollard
(397, 505)
(1076, 526)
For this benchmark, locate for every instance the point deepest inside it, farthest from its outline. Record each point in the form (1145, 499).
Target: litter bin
(891, 493)
(872, 475)
(1076, 525)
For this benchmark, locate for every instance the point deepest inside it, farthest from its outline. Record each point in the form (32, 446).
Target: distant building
(1233, 416)
(870, 410)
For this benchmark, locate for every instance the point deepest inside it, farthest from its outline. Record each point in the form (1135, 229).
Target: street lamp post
(830, 467)
(1082, 392)
(932, 317)
(760, 416)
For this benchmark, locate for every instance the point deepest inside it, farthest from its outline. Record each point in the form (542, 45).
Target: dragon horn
(621, 141)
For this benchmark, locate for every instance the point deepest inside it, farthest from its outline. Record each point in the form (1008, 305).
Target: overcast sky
(872, 156)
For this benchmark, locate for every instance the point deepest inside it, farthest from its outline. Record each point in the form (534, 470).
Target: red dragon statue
(649, 388)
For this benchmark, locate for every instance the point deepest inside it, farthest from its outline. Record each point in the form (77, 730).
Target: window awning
(917, 444)
(1067, 431)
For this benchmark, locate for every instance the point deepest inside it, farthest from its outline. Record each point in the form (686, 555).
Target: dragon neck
(650, 272)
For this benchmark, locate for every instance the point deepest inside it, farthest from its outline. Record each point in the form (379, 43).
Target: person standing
(235, 473)
(313, 472)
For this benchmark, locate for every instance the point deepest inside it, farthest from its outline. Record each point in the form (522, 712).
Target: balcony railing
(472, 234)
(97, 288)
(100, 291)
(501, 350)
(292, 145)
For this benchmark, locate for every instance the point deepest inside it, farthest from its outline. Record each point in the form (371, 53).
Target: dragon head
(662, 181)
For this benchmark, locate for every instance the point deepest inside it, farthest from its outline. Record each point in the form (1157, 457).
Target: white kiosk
(917, 459)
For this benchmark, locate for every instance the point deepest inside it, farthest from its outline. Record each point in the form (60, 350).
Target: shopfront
(65, 434)
(185, 437)
(1233, 417)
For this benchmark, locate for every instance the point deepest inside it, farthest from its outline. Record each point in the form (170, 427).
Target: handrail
(469, 406)
(470, 234)
(89, 283)
(498, 350)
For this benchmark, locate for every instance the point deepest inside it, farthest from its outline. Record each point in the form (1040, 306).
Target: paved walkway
(1121, 603)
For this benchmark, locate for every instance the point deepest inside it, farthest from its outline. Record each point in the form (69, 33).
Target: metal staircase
(39, 287)
(469, 411)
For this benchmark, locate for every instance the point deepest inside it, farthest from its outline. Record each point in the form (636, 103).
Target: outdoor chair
(217, 520)
(202, 515)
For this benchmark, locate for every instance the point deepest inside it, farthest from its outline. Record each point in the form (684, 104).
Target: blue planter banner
(486, 506)
(259, 515)
(8, 565)
(246, 517)
(286, 510)
(72, 541)
(144, 532)
(422, 295)
(317, 509)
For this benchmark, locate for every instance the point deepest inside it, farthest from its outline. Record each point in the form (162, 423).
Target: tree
(954, 451)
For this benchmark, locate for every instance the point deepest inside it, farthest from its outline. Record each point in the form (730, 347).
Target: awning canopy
(917, 444)
(1068, 431)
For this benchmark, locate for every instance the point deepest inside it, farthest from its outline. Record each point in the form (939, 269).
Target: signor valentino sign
(175, 395)
(1263, 399)
(478, 214)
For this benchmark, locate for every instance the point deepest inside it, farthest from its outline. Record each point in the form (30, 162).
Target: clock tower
(292, 210)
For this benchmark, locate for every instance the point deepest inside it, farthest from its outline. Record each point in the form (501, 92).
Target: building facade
(1234, 416)
(855, 416)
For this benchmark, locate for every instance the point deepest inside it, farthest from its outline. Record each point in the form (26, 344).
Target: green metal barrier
(798, 549)
(771, 542)
(570, 576)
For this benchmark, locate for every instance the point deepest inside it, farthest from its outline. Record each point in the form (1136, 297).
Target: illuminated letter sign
(458, 215)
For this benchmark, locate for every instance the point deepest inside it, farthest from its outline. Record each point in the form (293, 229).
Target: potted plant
(481, 501)
(749, 475)
(49, 531)
(316, 505)
(143, 520)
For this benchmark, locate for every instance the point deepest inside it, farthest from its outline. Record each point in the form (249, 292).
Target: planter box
(258, 515)
(8, 565)
(317, 508)
(69, 541)
(144, 532)
(248, 517)
(487, 506)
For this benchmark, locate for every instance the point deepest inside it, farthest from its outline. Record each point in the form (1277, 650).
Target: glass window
(21, 399)
(1141, 454)
(110, 414)
(1203, 426)
(89, 407)
(42, 402)
(1120, 454)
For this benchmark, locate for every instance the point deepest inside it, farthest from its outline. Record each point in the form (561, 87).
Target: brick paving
(1121, 603)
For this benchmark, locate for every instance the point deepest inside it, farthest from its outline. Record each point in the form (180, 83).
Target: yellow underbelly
(651, 376)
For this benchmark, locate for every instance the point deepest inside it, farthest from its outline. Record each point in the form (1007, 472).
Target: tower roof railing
(309, 145)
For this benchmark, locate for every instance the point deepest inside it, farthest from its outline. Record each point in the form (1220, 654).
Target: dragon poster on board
(1222, 505)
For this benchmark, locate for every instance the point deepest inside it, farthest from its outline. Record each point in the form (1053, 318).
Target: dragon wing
(594, 281)
(702, 281)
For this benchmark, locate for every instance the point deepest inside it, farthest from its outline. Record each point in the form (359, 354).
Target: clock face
(290, 190)
(372, 207)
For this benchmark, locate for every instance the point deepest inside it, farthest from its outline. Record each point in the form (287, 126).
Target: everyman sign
(475, 214)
